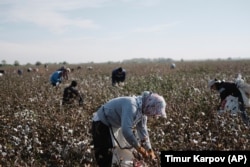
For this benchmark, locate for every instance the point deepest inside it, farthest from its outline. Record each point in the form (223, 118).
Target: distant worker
(233, 96)
(20, 72)
(29, 69)
(118, 76)
(57, 77)
(46, 67)
(172, 66)
(65, 74)
(71, 93)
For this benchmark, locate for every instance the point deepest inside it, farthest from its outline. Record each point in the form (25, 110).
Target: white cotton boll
(204, 142)
(36, 140)
(80, 144)
(195, 141)
(4, 154)
(70, 131)
(31, 99)
(27, 129)
(16, 140)
(25, 140)
(88, 150)
(196, 90)
(209, 134)
(162, 133)
(29, 147)
(214, 139)
(197, 133)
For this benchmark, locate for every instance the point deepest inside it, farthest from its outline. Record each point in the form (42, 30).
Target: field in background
(35, 130)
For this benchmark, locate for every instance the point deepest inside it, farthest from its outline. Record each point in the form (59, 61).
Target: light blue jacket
(125, 113)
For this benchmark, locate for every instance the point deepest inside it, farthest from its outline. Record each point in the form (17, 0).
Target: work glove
(142, 151)
(151, 154)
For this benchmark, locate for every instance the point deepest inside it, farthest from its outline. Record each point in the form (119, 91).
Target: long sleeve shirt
(56, 77)
(118, 77)
(229, 88)
(125, 113)
(70, 93)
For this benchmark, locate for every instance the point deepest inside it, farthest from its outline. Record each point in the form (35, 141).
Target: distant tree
(38, 63)
(16, 63)
(64, 63)
(4, 62)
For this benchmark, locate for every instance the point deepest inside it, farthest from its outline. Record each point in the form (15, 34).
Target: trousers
(102, 144)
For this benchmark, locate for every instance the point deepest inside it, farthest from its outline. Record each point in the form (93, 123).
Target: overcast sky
(79, 31)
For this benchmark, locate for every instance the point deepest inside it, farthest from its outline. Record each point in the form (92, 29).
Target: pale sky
(80, 31)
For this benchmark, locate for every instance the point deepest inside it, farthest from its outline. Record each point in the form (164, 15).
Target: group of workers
(131, 113)
(70, 92)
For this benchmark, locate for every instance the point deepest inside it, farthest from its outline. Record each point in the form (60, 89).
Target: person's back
(19, 72)
(228, 88)
(69, 94)
(117, 108)
(55, 78)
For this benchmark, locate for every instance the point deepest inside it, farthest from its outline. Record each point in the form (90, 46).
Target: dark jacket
(69, 94)
(117, 76)
(228, 88)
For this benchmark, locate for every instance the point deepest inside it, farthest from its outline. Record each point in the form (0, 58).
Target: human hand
(151, 154)
(142, 151)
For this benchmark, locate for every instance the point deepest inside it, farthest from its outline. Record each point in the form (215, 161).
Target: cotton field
(36, 130)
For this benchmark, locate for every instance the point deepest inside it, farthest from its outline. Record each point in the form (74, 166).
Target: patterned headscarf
(153, 104)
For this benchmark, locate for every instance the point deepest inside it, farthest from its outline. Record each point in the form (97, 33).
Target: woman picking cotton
(233, 96)
(125, 114)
